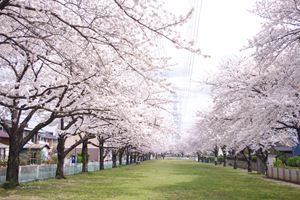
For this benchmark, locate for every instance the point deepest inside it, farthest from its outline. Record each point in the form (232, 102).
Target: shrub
(3, 163)
(254, 158)
(293, 161)
(282, 156)
(25, 157)
(9, 185)
(53, 160)
(277, 163)
(220, 159)
(79, 157)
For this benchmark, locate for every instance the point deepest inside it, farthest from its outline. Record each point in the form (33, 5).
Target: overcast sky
(221, 28)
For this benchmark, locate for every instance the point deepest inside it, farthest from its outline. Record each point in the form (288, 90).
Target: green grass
(163, 179)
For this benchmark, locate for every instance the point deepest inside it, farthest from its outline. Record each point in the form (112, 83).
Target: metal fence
(39, 172)
(290, 175)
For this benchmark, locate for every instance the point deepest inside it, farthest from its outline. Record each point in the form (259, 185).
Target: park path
(158, 179)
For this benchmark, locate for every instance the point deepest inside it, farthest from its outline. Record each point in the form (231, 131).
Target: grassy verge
(167, 179)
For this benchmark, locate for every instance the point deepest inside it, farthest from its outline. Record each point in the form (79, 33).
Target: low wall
(243, 164)
(290, 175)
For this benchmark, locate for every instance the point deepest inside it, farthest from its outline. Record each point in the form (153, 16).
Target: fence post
(52, 171)
(290, 175)
(283, 173)
(272, 171)
(277, 172)
(20, 173)
(297, 175)
(37, 172)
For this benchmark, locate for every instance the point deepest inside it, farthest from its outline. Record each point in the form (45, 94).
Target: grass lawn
(161, 179)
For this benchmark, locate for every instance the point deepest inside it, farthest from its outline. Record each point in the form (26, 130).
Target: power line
(191, 58)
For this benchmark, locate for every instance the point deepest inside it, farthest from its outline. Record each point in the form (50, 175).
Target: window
(34, 139)
(2, 153)
(33, 158)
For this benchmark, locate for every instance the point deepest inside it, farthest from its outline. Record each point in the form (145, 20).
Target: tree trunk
(61, 154)
(263, 157)
(101, 153)
(215, 151)
(13, 163)
(60, 157)
(248, 158)
(134, 158)
(114, 159)
(131, 158)
(234, 156)
(266, 162)
(121, 151)
(198, 157)
(224, 155)
(127, 157)
(249, 166)
(235, 162)
(85, 158)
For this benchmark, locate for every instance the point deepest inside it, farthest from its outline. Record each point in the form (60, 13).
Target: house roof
(283, 148)
(35, 146)
(3, 145)
(47, 135)
(3, 134)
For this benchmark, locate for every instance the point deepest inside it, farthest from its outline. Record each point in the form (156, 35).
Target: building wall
(92, 150)
(93, 153)
(71, 140)
(4, 141)
(296, 150)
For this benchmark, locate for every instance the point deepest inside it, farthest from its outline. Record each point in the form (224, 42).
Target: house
(41, 144)
(43, 137)
(34, 153)
(48, 138)
(296, 150)
(39, 148)
(4, 148)
(288, 151)
(283, 151)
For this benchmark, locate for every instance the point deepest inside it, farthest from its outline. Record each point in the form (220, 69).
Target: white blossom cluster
(256, 98)
(91, 63)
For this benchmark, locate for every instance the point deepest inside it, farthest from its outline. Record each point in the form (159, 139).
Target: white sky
(224, 29)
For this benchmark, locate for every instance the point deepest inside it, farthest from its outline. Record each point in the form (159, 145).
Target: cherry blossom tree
(54, 53)
(280, 31)
(256, 98)
(250, 106)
